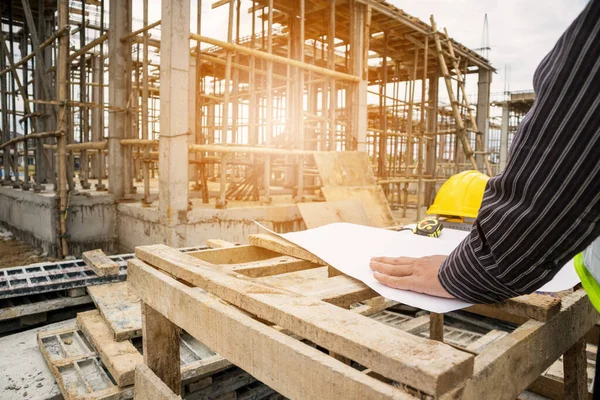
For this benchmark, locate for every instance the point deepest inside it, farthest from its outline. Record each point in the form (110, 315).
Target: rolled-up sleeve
(545, 206)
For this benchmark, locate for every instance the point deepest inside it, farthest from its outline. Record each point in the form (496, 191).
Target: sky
(521, 32)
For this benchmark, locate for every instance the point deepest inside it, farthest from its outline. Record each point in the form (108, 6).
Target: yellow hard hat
(461, 195)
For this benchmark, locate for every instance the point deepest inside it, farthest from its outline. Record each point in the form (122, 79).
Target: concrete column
(96, 125)
(483, 112)
(117, 95)
(504, 136)
(430, 148)
(357, 96)
(174, 121)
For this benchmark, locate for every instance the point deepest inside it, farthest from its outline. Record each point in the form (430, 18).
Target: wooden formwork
(276, 312)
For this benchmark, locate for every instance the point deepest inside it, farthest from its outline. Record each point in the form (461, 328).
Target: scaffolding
(88, 100)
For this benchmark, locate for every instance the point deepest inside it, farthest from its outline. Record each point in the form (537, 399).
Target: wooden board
(100, 263)
(120, 308)
(328, 212)
(372, 197)
(47, 302)
(282, 246)
(149, 386)
(223, 328)
(120, 358)
(77, 367)
(433, 367)
(344, 168)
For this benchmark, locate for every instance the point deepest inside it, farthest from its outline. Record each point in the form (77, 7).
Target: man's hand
(414, 274)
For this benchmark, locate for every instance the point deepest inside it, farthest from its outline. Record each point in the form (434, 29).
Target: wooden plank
(120, 358)
(218, 243)
(272, 266)
(42, 306)
(480, 344)
(282, 246)
(505, 367)
(120, 308)
(234, 255)
(541, 307)
(416, 325)
(328, 212)
(223, 328)
(341, 291)
(344, 168)
(433, 367)
(149, 386)
(161, 347)
(372, 198)
(575, 372)
(100, 263)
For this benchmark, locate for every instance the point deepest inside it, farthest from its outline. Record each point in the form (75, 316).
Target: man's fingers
(395, 260)
(392, 270)
(396, 282)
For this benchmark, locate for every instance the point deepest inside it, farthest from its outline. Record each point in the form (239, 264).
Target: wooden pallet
(266, 326)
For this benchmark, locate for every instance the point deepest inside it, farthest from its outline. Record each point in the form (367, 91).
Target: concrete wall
(32, 217)
(139, 226)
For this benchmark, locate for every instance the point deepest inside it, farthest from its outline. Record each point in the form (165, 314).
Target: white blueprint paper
(349, 248)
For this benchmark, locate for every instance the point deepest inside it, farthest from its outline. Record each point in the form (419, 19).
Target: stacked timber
(97, 358)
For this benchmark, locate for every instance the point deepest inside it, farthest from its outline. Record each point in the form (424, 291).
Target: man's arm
(545, 206)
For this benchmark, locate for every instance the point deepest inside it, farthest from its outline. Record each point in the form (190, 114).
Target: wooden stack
(97, 360)
(285, 321)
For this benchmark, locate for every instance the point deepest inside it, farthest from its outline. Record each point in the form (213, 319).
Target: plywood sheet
(347, 168)
(120, 308)
(372, 198)
(329, 212)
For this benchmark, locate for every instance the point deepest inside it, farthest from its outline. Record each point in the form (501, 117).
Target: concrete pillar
(96, 125)
(430, 148)
(357, 96)
(174, 121)
(504, 136)
(117, 94)
(483, 112)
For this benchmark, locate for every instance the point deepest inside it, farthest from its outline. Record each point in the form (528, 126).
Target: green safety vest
(587, 265)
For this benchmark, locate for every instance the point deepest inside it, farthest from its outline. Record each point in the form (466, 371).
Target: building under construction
(167, 135)
(119, 131)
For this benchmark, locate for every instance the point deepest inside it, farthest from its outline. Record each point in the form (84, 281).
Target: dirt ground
(14, 253)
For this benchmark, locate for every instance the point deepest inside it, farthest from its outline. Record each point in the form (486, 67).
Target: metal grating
(51, 277)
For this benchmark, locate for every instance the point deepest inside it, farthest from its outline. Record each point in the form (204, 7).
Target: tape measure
(430, 226)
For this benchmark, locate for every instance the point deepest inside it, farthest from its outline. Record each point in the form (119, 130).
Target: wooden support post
(575, 370)
(161, 347)
(436, 327)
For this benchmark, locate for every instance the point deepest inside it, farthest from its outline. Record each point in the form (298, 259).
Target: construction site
(161, 176)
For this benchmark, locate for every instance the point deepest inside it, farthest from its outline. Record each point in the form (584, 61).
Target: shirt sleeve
(545, 206)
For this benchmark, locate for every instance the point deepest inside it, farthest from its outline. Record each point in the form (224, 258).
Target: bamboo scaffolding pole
(62, 31)
(63, 74)
(144, 30)
(276, 58)
(37, 135)
(88, 46)
(217, 148)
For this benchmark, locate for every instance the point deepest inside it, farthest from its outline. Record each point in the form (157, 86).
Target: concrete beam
(174, 121)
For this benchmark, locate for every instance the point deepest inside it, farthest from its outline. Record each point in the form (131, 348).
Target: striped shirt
(544, 207)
